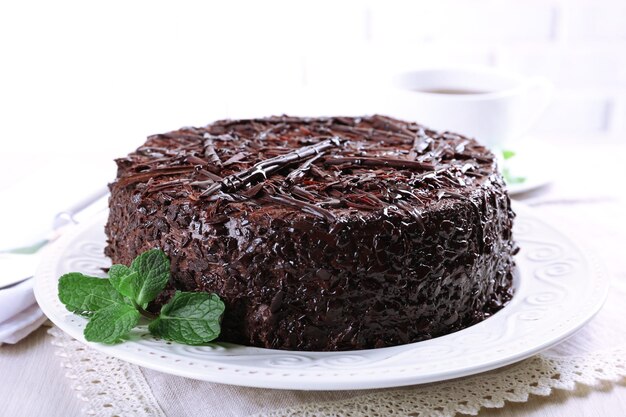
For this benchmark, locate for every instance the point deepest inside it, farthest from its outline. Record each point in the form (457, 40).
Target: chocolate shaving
(297, 174)
(387, 123)
(209, 150)
(264, 134)
(374, 134)
(379, 162)
(155, 151)
(332, 202)
(157, 172)
(165, 185)
(302, 193)
(235, 158)
(252, 191)
(209, 175)
(195, 160)
(411, 211)
(307, 207)
(420, 144)
(466, 156)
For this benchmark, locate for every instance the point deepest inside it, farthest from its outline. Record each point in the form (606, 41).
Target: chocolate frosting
(322, 233)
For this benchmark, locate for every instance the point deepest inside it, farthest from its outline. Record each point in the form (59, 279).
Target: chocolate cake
(322, 233)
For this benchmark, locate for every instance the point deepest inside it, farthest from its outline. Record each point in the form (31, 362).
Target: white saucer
(531, 163)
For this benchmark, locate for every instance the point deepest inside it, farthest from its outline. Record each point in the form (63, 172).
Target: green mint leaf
(506, 154)
(191, 318)
(85, 295)
(124, 280)
(153, 272)
(111, 324)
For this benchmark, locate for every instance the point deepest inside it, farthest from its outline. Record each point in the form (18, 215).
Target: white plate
(559, 288)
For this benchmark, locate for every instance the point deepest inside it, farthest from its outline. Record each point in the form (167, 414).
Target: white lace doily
(109, 386)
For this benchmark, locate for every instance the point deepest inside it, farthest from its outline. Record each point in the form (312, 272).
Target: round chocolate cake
(322, 233)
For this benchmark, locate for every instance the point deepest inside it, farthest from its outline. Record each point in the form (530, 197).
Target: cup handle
(539, 93)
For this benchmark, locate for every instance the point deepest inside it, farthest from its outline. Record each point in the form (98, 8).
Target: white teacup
(493, 106)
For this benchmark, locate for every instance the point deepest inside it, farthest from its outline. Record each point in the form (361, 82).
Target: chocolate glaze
(322, 234)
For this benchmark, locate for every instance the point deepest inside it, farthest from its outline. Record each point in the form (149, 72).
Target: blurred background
(84, 82)
(90, 71)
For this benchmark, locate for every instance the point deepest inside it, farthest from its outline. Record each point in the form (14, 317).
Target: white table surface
(32, 382)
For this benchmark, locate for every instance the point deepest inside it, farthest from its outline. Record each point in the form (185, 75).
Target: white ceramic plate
(559, 288)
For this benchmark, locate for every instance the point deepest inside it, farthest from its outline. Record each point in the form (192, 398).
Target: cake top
(327, 167)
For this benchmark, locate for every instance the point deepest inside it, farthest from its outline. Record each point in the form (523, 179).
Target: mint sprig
(115, 305)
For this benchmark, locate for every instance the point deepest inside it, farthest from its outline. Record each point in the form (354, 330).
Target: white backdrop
(88, 74)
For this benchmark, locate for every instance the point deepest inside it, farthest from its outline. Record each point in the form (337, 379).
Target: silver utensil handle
(66, 217)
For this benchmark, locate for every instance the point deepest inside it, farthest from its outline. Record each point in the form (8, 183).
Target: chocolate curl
(264, 169)
(297, 174)
(209, 150)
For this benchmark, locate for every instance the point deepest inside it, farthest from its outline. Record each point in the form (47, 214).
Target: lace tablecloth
(591, 212)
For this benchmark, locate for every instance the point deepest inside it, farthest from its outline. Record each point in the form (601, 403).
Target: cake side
(390, 234)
